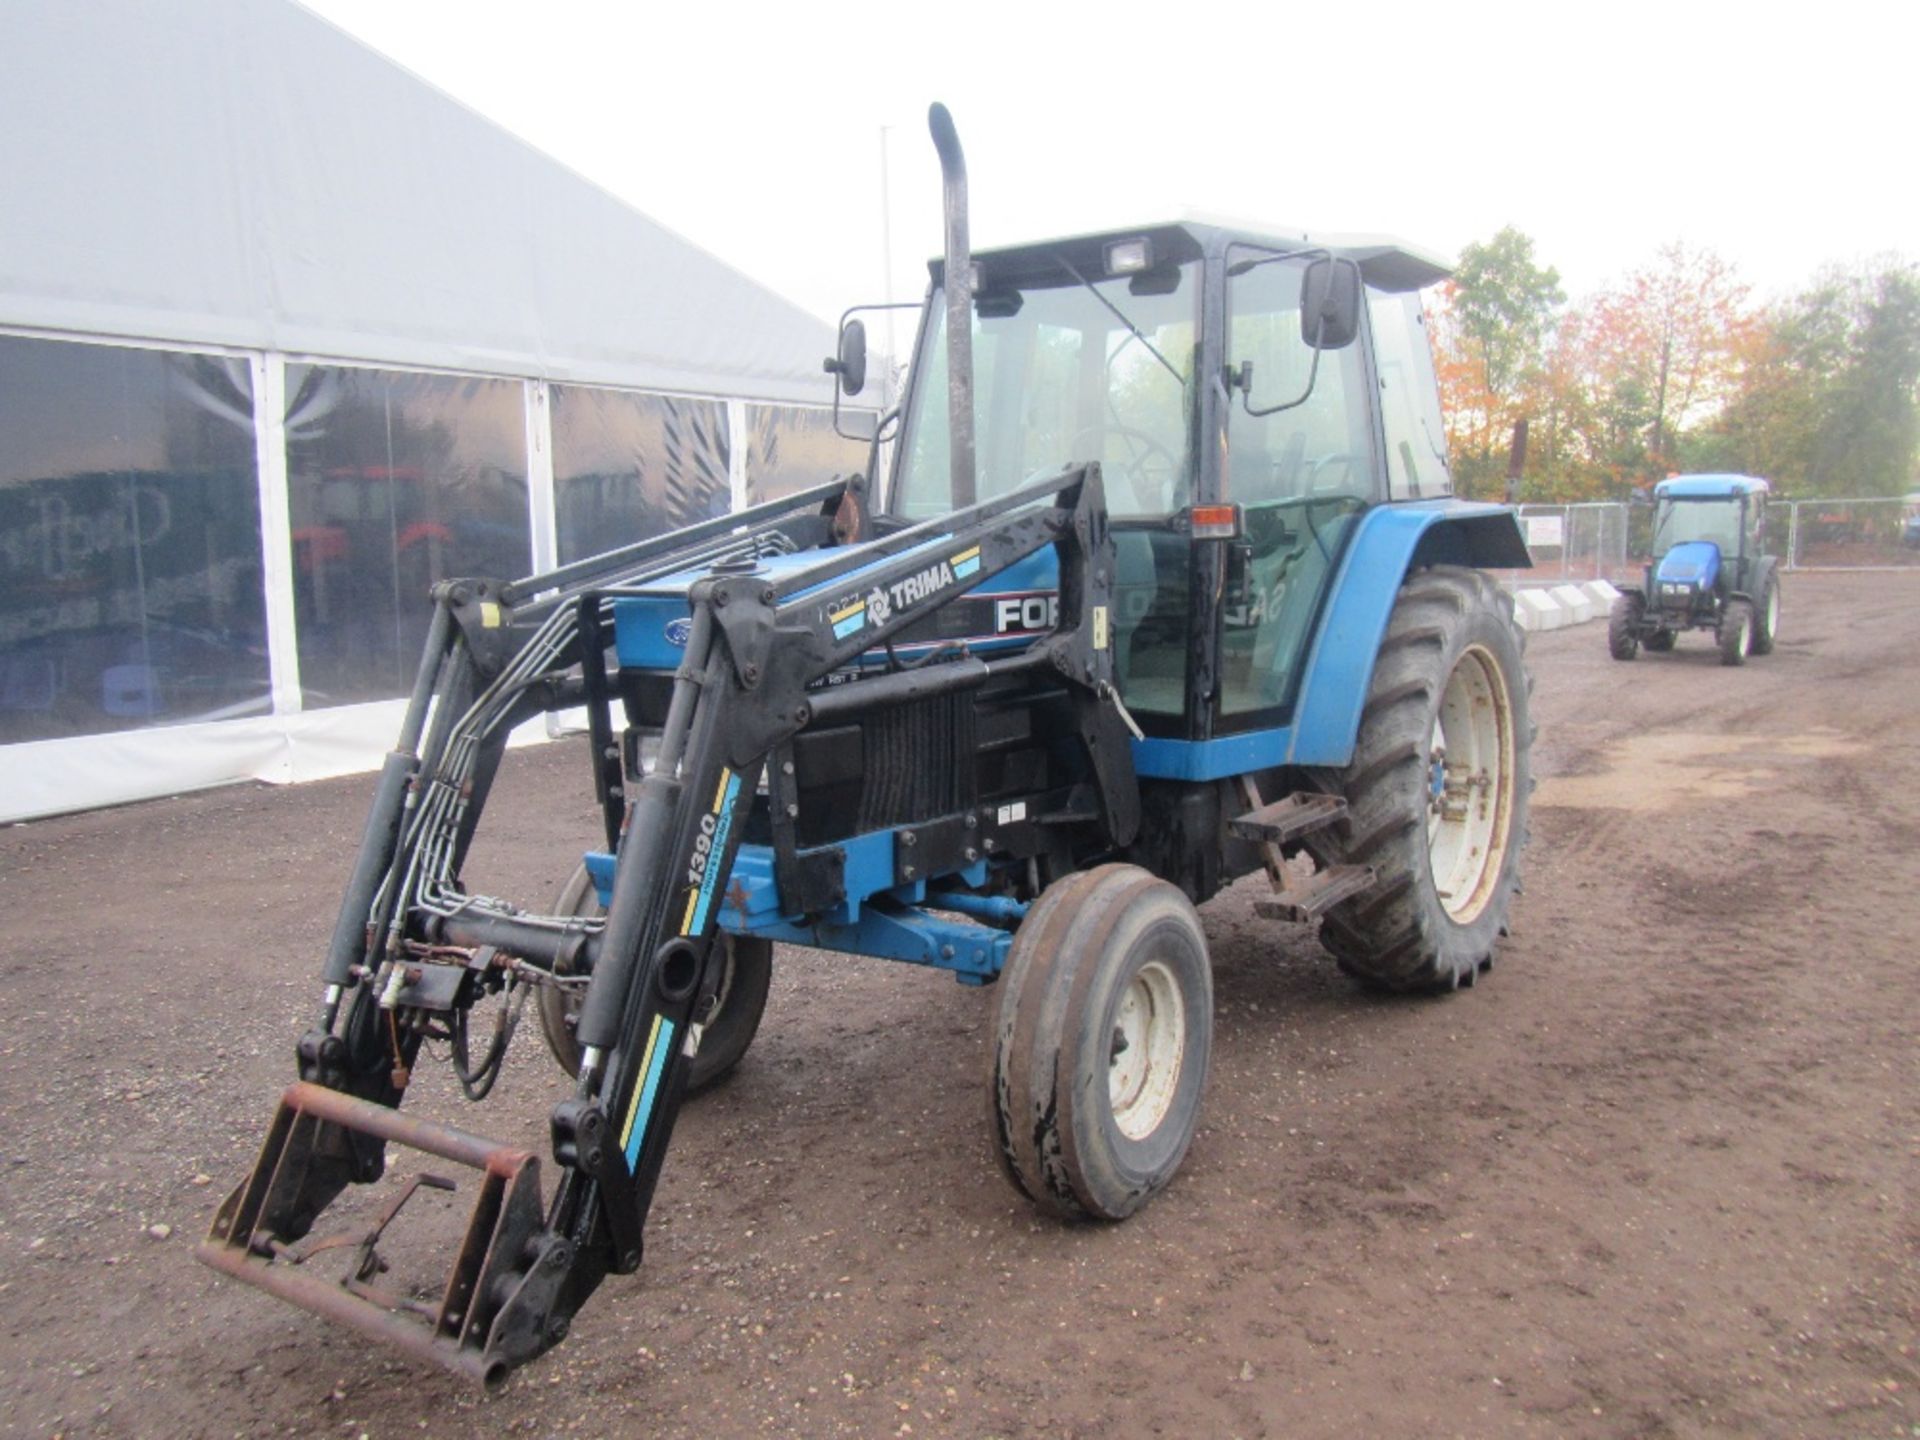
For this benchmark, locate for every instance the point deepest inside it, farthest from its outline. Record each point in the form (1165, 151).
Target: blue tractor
(1165, 586)
(1708, 572)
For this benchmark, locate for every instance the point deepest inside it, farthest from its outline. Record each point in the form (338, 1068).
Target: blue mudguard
(1389, 541)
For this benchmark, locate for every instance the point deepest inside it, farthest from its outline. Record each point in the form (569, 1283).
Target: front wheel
(738, 1002)
(1101, 1045)
(1767, 622)
(1437, 791)
(1623, 627)
(1736, 632)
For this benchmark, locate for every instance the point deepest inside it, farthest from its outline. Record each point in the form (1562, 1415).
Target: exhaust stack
(958, 289)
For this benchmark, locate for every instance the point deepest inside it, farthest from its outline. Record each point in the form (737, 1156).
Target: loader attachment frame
(412, 952)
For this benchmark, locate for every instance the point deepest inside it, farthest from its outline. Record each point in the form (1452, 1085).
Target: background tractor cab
(1250, 400)
(1708, 571)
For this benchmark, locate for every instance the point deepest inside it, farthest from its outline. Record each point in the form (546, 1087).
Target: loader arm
(755, 646)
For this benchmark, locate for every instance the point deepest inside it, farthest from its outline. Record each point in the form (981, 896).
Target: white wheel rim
(1470, 785)
(1148, 1042)
(1745, 638)
(1773, 613)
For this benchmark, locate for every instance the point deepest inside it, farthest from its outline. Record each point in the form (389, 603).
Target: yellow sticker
(1099, 627)
(489, 615)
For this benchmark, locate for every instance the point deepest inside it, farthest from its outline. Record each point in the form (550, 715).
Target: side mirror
(851, 363)
(1330, 303)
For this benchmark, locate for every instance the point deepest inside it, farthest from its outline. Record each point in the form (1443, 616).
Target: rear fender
(1391, 541)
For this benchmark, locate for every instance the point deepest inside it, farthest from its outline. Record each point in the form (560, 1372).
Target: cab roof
(1386, 263)
(1709, 487)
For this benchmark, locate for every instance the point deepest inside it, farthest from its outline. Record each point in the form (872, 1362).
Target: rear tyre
(1766, 623)
(1661, 641)
(1100, 1049)
(1437, 792)
(1623, 628)
(739, 1002)
(1736, 632)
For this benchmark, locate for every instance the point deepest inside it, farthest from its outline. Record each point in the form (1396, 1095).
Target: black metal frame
(756, 646)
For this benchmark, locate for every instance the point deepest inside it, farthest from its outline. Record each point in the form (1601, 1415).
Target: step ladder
(1271, 825)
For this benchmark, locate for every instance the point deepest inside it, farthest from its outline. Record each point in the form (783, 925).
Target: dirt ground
(1656, 1177)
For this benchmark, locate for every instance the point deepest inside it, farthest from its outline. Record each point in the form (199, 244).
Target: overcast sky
(1782, 137)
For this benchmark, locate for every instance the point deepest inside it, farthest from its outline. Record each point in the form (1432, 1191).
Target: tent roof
(241, 173)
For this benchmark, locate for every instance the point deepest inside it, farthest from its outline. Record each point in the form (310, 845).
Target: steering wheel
(1135, 467)
(1343, 463)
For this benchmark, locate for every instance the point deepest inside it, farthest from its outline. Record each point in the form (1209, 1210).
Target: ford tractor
(1708, 572)
(1162, 585)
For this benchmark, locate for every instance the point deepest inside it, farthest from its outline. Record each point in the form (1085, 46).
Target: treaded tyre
(1767, 621)
(730, 1026)
(1623, 627)
(1437, 791)
(1736, 632)
(1100, 1050)
(1661, 641)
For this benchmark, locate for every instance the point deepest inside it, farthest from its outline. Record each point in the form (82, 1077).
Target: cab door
(1301, 463)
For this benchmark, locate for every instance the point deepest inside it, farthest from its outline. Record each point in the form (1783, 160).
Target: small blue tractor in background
(1168, 589)
(1708, 571)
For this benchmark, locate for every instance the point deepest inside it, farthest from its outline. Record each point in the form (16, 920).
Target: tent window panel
(791, 448)
(395, 480)
(628, 466)
(130, 570)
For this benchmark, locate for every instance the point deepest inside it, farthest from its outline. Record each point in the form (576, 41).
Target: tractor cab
(1259, 392)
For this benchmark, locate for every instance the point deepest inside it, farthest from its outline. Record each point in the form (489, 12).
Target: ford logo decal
(680, 631)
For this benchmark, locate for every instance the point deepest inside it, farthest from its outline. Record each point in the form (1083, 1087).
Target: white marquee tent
(285, 334)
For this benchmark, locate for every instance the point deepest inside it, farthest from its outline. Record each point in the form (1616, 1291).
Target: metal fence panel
(1850, 535)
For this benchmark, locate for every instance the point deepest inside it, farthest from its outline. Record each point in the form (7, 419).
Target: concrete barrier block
(1603, 594)
(1537, 610)
(1575, 602)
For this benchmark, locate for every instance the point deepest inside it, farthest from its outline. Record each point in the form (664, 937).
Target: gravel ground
(1656, 1178)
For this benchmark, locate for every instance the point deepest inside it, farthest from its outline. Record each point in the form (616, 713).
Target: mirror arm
(1313, 374)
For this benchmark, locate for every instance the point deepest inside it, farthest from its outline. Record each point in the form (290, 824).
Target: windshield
(1717, 520)
(1068, 375)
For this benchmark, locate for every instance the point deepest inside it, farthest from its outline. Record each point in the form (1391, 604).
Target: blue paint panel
(1339, 668)
(650, 631)
(1211, 759)
(907, 934)
(1692, 562)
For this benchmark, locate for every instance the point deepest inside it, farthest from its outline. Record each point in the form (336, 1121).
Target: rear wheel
(1736, 632)
(1623, 627)
(1767, 622)
(1437, 792)
(1101, 1046)
(738, 1003)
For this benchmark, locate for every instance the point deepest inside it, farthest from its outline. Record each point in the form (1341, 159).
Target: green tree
(1829, 402)
(1491, 337)
(1504, 304)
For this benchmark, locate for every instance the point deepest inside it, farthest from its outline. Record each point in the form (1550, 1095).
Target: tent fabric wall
(240, 173)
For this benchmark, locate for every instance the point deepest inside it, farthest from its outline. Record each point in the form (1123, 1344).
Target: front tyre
(739, 1001)
(1736, 632)
(1767, 622)
(1437, 791)
(1623, 627)
(1101, 1045)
